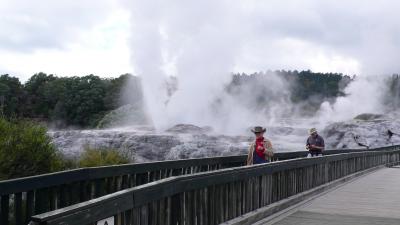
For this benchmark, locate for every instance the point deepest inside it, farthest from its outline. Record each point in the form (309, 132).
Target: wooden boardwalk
(372, 199)
(242, 195)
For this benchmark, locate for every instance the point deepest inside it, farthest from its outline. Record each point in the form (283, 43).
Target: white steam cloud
(202, 42)
(364, 95)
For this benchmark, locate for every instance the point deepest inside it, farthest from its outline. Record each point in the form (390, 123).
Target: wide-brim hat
(258, 130)
(312, 130)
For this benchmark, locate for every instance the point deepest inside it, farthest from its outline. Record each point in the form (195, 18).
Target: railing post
(4, 219)
(176, 209)
(18, 208)
(29, 206)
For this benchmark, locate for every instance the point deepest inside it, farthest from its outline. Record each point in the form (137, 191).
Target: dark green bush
(101, 157)
(26, 150)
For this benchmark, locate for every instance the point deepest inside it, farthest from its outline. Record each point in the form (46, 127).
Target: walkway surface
(371, 199)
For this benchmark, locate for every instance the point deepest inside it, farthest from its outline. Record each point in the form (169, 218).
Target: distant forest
(83, 101)
(64, 101)
(306, 89)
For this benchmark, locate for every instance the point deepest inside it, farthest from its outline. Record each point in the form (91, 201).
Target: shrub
(101, 157)
(26, 150)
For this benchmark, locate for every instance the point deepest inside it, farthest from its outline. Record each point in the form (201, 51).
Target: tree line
(65, 101)
(82, 101)
(304, 88)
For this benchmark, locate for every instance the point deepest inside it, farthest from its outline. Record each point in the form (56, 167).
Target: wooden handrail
(25, 184)
(268, 183)
(47, 192)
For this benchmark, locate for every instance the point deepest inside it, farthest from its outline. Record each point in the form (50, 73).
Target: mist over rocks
(188, 128)
(368, 116)
(144, 144)
(365, 130)
(138, 146)
(131, 114)
(182, 141)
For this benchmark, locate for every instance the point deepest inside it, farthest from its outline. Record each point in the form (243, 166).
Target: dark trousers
(257, 159)
(314, 153)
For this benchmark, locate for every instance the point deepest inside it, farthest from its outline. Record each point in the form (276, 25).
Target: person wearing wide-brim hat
(260, 150)
(315, 143)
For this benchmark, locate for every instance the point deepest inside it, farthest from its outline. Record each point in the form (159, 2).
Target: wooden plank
(136, 216)
(169, 213)
(74, 192)
(29, 206)
(4, 207)
(144, 216)
(199, 205)
(128, 218)
(99, 187)
(162, 218)
(222, 206)
(249, 199)
(124, 182)
(308, 218)
(182, 208)
(153, 213)
(41, 201)
(269, 188)
(190, 207)
(111, 207)
(141, 179)
(53, 198)
(18, 209)
(117, 183)
(64, 196)
(109, 185)
(373, 195)
(175, 209)
(367, 200)
(194, 207)
(83, 191)
(240, 198)
(232, 201)
(256, 193)
(204, 214)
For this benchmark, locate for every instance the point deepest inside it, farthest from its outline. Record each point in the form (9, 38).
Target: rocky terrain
(364, 131)
(143, 144)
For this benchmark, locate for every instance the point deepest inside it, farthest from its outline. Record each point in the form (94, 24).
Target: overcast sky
(71, 37)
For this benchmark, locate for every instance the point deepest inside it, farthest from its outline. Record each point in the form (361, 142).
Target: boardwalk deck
(372, 199)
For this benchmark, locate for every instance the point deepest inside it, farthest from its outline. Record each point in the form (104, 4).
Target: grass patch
(92, 157)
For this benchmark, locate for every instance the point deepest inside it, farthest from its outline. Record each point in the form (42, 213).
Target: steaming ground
(143, 144)
(180, 142)
(365, 130)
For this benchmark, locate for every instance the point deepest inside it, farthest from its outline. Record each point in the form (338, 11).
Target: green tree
(65, 101)
(26, 150)
(40, 103)
(83, 101)
(11, 95)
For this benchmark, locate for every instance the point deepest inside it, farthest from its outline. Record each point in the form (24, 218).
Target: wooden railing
(24, 197)
(21, 198)
(217, 196)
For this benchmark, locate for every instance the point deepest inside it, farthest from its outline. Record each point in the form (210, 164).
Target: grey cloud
(364, 30)
(28, 25)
